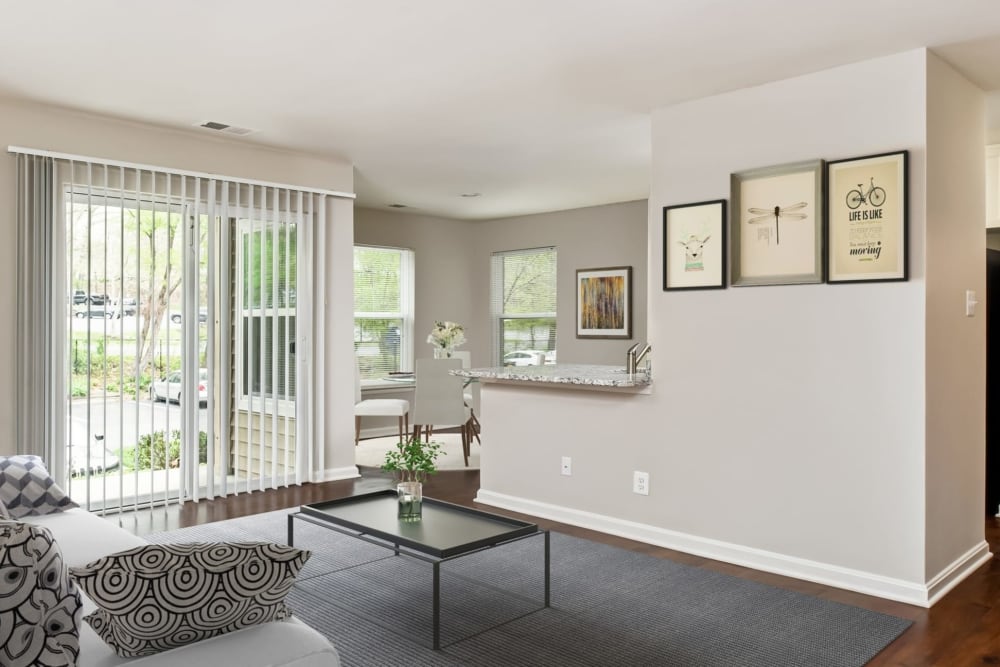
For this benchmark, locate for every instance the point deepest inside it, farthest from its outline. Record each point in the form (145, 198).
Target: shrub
(153, 452)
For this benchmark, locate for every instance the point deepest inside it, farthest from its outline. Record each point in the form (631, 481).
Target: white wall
(789, 427)
(809, 410)
(42, 127)
(956, 344)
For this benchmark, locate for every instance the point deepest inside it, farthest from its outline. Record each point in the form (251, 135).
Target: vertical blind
(523, 297)
(169, 284)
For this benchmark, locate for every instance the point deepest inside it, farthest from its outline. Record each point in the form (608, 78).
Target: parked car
(128, 307)
(92, 311)
(526, 358)
(98, 460)
(169, 388)
(202, 316)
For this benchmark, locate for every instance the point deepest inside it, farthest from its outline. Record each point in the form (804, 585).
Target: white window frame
(496, 315)
(247, 222)
(407, 299)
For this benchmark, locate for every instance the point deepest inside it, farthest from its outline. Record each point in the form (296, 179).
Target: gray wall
(453, 268)
(443, 268)
(585, 238)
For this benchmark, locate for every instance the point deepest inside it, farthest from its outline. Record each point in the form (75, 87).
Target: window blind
(523, 296)
(383, 310)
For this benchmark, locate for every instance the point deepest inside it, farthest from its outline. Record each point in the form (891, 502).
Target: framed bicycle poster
(867, 218)
(777, 225)
(694, 246)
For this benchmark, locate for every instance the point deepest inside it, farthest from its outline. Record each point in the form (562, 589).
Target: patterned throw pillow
(160, 596)
(40, 606)
(4, 514)
(27, 489)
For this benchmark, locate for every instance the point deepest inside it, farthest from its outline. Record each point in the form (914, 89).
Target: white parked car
(169, 388)
(97, 461)
(528, 358)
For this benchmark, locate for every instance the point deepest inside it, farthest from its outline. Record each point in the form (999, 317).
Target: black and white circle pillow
(40, 606)
(160, 596)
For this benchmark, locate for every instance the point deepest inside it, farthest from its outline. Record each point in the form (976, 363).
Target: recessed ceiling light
(471, 194)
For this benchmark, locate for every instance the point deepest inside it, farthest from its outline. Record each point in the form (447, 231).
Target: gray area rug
(610, 606)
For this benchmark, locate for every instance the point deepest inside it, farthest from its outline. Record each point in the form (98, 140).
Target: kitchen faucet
(632, 357)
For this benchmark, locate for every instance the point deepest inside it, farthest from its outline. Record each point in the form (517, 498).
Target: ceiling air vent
(228, 129)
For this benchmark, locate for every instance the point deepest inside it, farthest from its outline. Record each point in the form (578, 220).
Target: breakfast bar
(594, 377)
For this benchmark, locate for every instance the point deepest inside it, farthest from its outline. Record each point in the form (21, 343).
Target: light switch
(970, 303)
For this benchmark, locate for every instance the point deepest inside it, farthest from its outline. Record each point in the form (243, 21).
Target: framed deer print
(694, 246)
(867, 214)
(777, 225)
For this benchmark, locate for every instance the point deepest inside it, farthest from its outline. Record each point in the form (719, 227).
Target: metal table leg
(291, 535)
(546, 568)
(437, 605)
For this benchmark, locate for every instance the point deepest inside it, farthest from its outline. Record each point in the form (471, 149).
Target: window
(383, 310)
(523, 297)
(267, 301)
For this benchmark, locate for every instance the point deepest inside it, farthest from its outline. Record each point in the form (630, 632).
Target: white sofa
(84, 537)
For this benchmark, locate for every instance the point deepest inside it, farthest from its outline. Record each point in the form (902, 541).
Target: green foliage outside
(378, 275)
(529, 288)
(152, 451)
(112, 373)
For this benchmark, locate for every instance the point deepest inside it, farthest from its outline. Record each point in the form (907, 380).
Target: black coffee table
(445, 532)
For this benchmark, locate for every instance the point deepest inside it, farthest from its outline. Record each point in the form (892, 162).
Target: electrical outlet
(567, 466)
(640, 483)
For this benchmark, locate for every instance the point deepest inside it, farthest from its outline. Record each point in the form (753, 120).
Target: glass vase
(409, 497)
(442, 353)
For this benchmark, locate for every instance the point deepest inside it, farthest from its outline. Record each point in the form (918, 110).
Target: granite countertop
(593, 375)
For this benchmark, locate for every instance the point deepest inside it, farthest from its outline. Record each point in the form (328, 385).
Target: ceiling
(536, 105)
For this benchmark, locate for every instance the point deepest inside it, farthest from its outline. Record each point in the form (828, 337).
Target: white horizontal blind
(523, 297)
(383, 311)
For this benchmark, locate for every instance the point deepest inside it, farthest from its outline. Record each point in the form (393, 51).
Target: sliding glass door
(179, 332)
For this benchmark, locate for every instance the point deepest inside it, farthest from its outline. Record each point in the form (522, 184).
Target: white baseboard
(379, 431)
(333, 474)
(758, 559)
(954, 573)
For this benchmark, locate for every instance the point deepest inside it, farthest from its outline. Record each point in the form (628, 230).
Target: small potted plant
(411, 462)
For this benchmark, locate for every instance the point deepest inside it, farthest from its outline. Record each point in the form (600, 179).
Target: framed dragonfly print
(867, 218)
(694, 246)
(777, 225)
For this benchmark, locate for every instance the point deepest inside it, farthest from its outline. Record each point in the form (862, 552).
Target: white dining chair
(438, 400)
(378, 407)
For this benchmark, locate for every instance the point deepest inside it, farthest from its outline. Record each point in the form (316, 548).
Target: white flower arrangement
(447, 335)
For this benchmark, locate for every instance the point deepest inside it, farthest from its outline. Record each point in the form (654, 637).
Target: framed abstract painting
(604, 302)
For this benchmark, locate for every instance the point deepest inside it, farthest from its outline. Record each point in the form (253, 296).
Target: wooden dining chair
(438, 400)
(466, 357)
(378, 407)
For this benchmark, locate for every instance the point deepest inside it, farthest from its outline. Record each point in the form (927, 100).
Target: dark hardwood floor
(962, 629)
